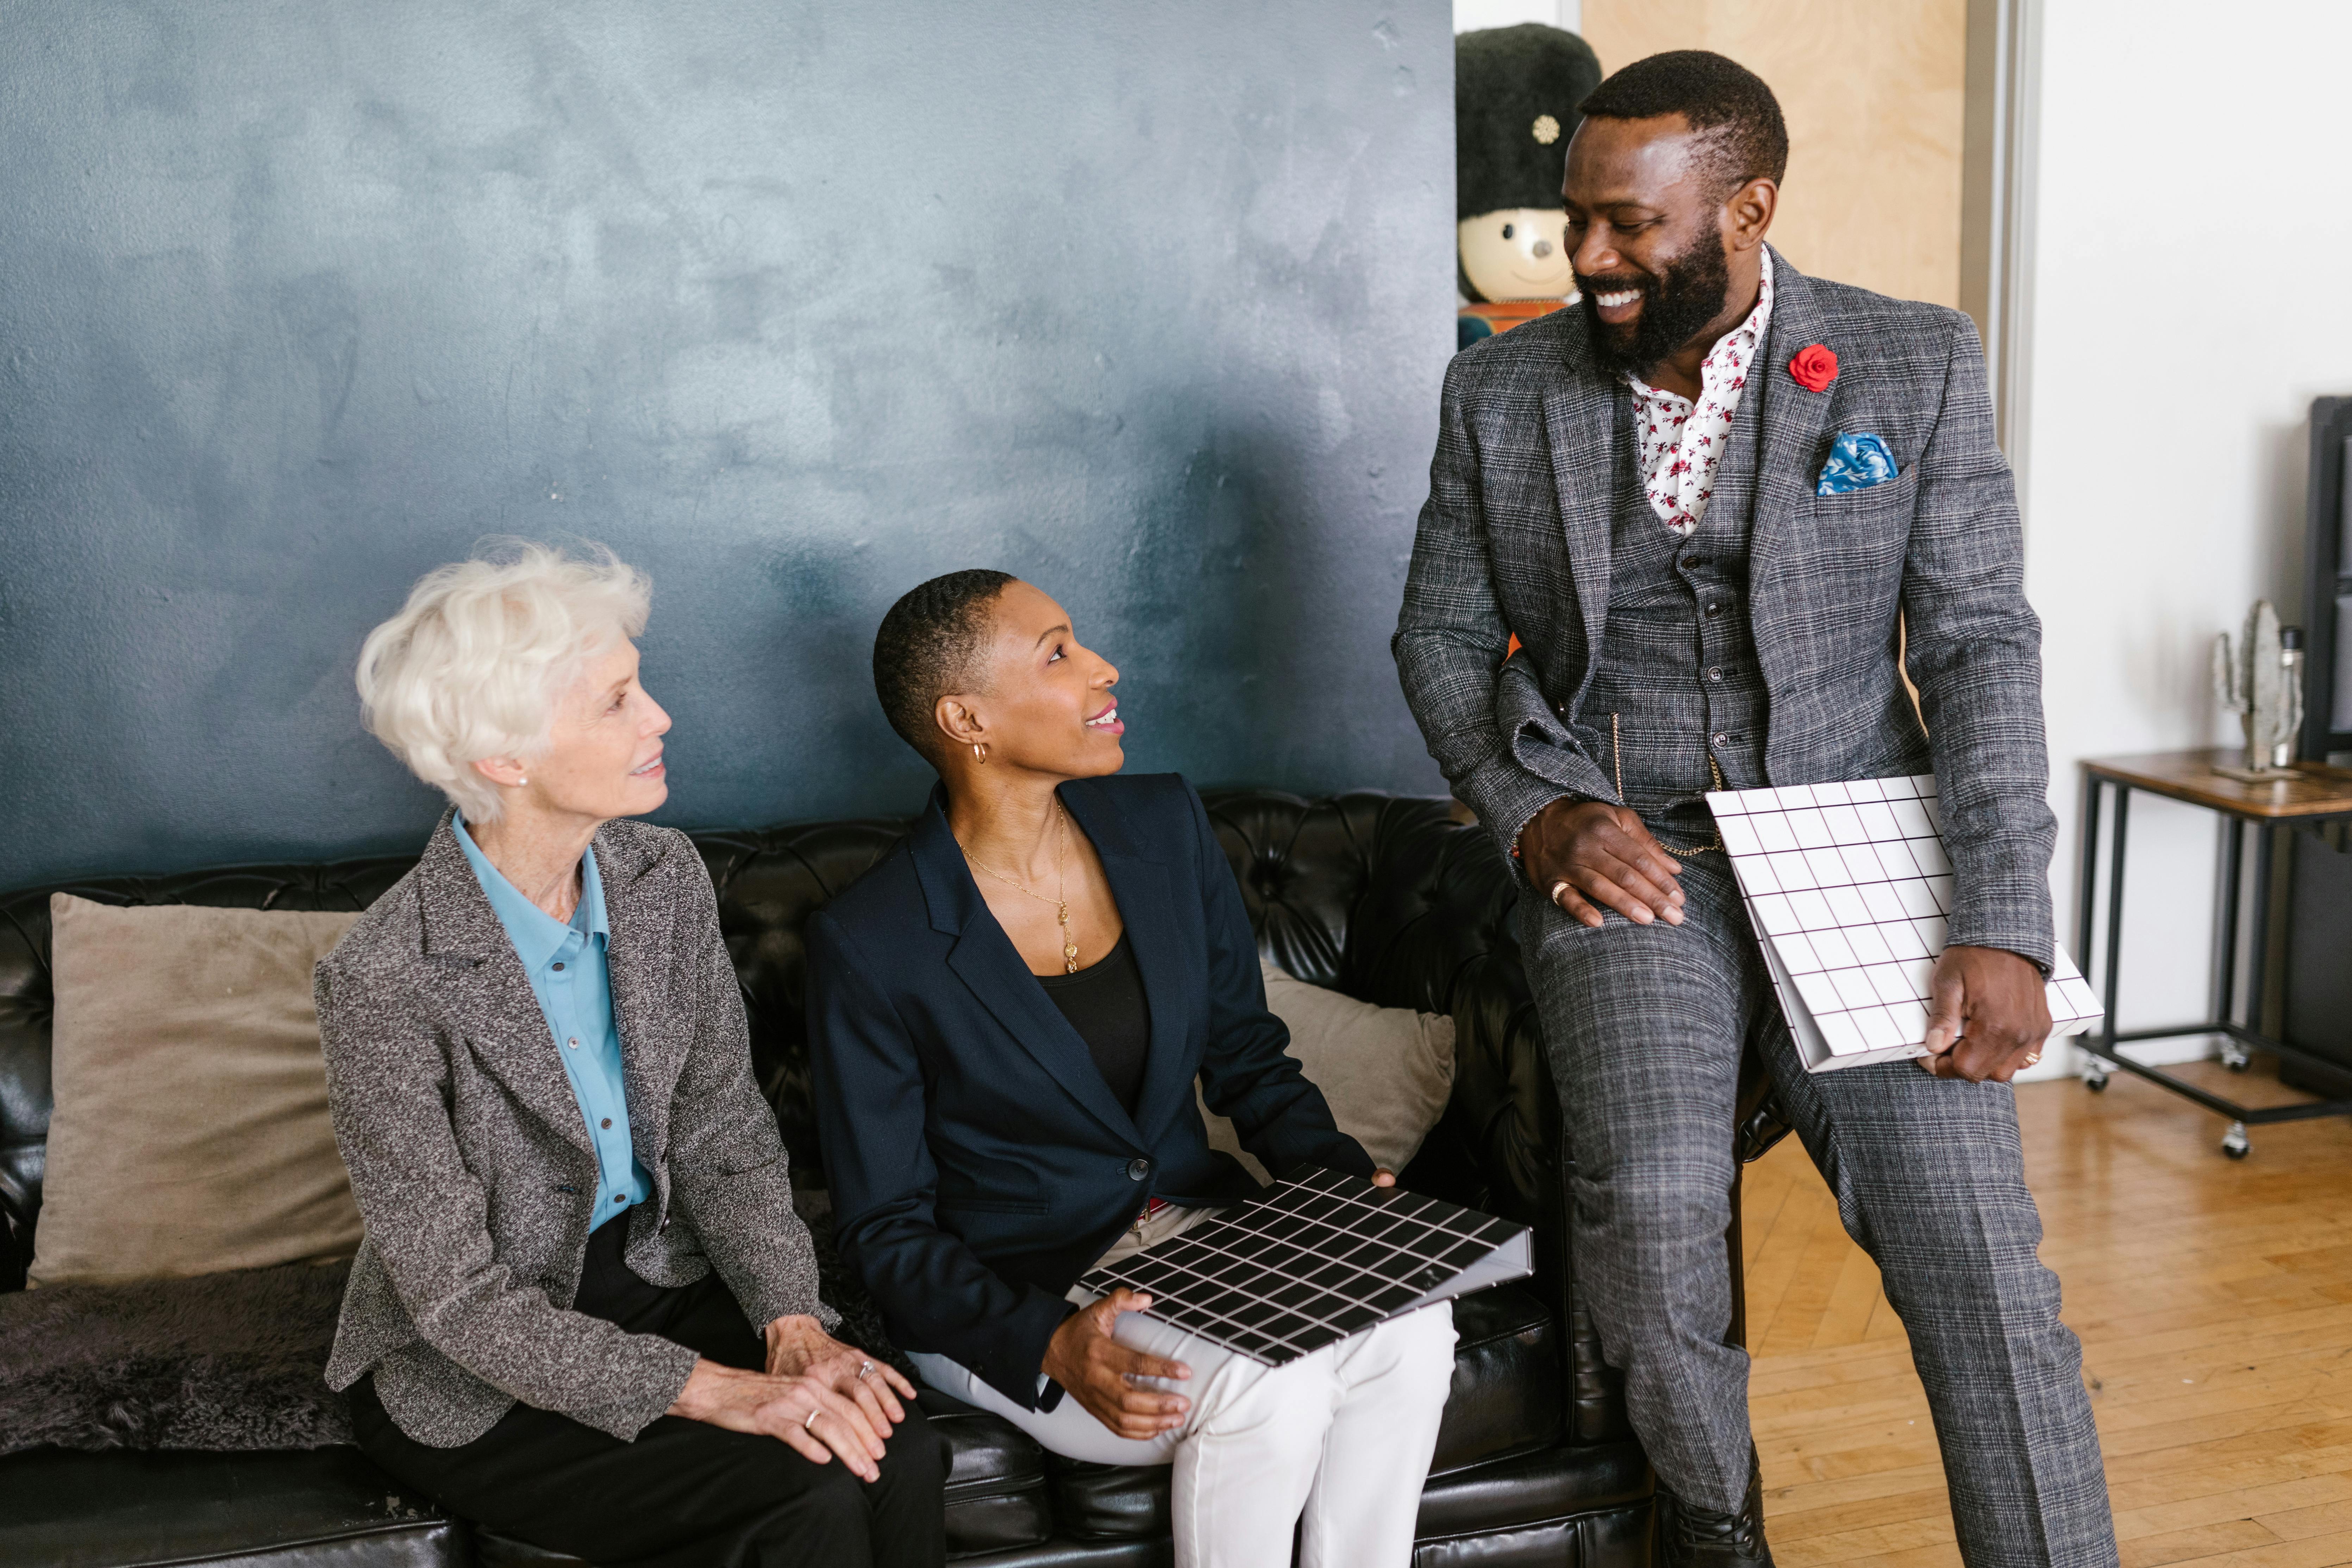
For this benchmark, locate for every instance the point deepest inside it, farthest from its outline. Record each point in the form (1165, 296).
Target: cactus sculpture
(2251, 682)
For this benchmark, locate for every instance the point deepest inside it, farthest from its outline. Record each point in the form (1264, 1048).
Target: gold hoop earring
(979, 752)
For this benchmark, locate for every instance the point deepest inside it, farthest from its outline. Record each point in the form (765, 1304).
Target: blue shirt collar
(537, 935)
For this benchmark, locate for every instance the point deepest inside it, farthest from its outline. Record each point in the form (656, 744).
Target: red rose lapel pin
(1814, 367)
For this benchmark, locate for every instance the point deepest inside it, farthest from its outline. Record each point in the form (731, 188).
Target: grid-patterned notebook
(1848, 887)
(1318, 1258)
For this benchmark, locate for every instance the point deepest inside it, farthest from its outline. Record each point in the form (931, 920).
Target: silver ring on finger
(810, 1425)
(864, 1370)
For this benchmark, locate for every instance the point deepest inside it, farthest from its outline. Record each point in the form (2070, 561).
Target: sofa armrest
(1503, 1128)
(16, 1243)
(1393, 900)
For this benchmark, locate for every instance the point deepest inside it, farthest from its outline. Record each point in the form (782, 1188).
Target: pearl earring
(521, 783)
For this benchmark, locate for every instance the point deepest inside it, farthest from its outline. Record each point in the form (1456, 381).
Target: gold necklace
(1061, 905)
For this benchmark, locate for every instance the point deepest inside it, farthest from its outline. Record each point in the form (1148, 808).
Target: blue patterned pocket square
(1856, 463)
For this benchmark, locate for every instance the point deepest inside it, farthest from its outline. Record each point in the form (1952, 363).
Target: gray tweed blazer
(1515, 538)
(474, 1172)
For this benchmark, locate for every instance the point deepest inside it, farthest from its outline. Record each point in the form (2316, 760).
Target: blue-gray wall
(793, 304)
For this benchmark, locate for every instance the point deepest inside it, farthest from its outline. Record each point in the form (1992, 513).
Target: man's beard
(1677, 303)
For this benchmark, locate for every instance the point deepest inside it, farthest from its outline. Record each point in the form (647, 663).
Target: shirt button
(620, 1197)
(559, 969)
(606, 1123)
(1138, 1169)
(573, 1044)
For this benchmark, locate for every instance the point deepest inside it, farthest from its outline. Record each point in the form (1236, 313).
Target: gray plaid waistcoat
(1842, 592)
(1677, 677)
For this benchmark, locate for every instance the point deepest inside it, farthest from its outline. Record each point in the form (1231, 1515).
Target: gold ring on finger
(1558, 888)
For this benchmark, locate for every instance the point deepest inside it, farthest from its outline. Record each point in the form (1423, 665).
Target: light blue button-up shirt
(566, 967)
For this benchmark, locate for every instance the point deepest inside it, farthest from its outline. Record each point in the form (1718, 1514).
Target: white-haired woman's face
(603, 755)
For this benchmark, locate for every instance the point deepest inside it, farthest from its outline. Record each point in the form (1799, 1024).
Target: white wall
(1469, 14)
(2191, 296)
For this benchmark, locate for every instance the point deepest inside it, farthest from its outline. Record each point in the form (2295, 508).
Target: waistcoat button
(1714, 672)
(1715, 608)
(1138, 1169)
(1719, 738)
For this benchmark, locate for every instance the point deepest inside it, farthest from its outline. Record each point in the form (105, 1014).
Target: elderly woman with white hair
(585, 1314)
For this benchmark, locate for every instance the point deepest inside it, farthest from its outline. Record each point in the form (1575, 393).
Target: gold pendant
(1070, 948)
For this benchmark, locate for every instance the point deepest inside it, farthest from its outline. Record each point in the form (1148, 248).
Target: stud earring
(521, 783)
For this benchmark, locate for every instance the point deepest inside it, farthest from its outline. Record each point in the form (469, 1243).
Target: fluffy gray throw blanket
(224, 1361)
(233, 1360)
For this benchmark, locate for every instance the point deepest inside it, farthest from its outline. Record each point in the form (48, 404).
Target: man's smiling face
(1645, 235)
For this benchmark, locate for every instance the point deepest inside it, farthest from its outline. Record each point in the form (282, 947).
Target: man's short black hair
(1737, 117)
(926, 647)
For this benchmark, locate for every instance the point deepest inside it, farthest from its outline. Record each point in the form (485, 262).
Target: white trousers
(1340, 1440)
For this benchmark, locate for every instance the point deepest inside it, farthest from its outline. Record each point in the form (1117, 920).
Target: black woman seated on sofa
(1006, 1015)
(575, 1198)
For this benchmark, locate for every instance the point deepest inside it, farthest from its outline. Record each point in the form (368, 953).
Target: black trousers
(685, 1494)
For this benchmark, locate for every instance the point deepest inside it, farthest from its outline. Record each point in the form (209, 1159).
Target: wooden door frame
(2000, 147)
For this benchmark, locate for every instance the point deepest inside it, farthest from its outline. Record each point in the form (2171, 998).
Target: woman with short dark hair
(1006, 1016)
(584, 1314)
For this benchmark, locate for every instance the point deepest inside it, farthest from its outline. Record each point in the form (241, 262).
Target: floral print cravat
(1680, 443)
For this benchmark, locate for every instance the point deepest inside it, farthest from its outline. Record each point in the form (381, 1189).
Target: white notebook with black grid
(1849, 889)
(1318, 1256)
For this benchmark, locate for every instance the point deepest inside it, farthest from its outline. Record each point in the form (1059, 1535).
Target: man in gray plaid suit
(1668, 495)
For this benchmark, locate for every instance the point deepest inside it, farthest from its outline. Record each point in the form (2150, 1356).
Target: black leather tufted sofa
(1385, 897)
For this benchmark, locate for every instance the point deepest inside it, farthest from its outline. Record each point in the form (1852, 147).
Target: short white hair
(472, 665)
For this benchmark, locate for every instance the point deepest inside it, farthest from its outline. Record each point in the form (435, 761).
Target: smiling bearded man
(1652, 492)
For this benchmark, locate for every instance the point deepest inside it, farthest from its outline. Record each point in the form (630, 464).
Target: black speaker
(2317, 1014)
(2327, 596)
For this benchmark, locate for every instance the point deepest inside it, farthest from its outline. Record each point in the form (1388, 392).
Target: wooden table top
(2314, 790)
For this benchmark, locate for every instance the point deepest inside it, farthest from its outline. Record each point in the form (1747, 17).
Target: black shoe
(1695, 1538)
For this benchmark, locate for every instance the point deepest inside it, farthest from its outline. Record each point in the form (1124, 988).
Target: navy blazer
(979, 1162)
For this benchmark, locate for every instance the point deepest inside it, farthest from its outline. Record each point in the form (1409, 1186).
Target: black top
(1104, 1003)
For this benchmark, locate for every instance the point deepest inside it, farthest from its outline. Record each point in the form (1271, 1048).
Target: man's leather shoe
(1696, 1537)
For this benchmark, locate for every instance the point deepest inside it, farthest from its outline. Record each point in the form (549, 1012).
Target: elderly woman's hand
(798, 1346)
(801, 1409)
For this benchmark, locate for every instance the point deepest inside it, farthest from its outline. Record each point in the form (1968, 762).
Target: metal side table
(2315, 798)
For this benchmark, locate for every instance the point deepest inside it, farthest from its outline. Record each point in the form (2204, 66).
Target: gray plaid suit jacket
(1515, 538)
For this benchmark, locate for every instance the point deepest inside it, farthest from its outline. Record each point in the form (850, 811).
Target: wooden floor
(2214, 1301)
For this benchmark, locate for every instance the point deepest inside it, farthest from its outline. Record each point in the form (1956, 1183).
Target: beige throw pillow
(1387, 1071)
(190, 1133)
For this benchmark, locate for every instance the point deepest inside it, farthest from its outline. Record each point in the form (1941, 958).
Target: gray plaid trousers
(1645, 1026)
